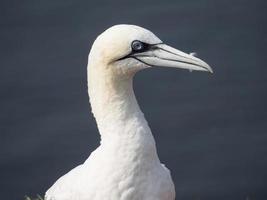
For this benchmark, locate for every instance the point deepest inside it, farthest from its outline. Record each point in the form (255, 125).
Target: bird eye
(137, 45)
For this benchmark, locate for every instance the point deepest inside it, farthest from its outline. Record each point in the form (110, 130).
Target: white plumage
(126, 165)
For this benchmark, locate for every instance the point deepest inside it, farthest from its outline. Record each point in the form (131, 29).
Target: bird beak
(166, 56)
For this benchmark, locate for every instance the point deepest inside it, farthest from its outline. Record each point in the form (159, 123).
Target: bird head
(126, 49)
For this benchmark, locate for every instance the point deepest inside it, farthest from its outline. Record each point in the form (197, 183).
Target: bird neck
(120, 121)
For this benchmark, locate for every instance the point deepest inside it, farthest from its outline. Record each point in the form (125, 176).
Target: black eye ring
(137, 45)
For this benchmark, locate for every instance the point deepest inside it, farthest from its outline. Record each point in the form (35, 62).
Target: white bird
(126, 165)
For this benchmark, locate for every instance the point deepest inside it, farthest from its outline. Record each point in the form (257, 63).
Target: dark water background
(211, 130)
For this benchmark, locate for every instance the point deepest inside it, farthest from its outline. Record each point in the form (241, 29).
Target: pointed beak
(165, 56)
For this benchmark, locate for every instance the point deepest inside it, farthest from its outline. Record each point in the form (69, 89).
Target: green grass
(38, 197)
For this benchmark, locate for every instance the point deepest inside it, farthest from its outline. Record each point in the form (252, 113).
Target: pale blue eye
(137, 45)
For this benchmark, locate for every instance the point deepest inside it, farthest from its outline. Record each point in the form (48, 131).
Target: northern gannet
(126, 165)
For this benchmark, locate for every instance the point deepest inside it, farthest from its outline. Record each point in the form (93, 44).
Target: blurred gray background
(210, 129)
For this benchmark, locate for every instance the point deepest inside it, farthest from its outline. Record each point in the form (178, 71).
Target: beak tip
(210, 70)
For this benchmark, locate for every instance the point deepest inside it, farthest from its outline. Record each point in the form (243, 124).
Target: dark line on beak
(184, 62)
(171, 52)
(152, 47)
(168, 60)
(179, 60)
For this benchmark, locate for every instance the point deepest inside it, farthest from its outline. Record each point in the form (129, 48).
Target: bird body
(125, 166)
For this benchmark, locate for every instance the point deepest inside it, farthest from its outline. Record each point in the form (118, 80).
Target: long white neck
(120, 121)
